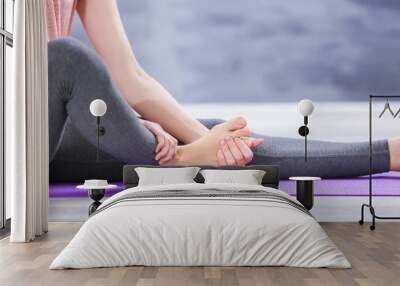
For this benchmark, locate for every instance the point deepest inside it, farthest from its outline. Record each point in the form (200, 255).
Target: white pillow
(248, 177)
(163, 176)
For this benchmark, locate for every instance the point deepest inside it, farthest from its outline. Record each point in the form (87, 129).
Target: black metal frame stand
(370, 203)
(96, 195)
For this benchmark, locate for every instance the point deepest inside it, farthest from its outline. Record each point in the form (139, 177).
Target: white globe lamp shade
(98, 107)
(305, 107)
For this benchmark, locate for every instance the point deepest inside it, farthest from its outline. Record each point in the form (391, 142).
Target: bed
(199, 224)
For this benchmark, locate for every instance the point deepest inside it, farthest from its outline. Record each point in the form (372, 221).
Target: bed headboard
(270, 179)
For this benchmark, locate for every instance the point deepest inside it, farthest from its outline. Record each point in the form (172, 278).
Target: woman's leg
(75, 160)
(76, 77)
(325, 159)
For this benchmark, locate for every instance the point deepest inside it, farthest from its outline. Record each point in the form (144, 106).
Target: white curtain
(27, 124)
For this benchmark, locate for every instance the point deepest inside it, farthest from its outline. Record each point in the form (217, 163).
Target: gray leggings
(77, 76)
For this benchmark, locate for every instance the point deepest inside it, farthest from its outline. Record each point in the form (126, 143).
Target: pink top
(59, 17)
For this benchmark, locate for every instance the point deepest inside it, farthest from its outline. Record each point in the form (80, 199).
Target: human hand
(166, 143)
(236, 151)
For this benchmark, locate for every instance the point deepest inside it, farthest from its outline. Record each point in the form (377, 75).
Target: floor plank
(375, 257)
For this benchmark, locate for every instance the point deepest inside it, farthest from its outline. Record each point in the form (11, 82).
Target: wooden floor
(375, 257)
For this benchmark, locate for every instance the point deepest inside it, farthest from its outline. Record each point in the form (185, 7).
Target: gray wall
(235, 50)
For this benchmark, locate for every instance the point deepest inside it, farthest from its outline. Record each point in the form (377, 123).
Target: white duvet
(192, 231)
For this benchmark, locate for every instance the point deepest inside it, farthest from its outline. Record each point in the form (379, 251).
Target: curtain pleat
(15, 130)
(29, 158)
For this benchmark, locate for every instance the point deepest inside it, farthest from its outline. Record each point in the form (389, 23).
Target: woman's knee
(65, 50)
(69, 53)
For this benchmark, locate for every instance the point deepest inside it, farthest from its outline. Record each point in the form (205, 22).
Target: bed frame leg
(361, 221)
(372, 210)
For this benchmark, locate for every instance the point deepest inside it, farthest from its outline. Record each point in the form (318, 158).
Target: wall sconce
(305, 108)
(98, 108)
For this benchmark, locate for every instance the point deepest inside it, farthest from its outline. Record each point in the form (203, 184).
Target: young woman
(78, 75)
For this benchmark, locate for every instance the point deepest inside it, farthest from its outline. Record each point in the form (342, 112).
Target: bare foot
(204, 150)
(394, 151)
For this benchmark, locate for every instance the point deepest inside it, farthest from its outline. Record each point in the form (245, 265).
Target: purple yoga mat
(69, 190)
(385, 184)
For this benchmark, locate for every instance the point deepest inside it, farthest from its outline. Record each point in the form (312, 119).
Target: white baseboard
(326, 209)
(71, 209)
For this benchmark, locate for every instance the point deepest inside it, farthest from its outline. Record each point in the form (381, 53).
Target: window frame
(6, 39)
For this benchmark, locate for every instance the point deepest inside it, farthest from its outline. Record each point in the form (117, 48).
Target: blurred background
(258, 58)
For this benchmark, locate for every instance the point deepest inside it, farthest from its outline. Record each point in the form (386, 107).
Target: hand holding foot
(236, 151)
(166, 144)
(204, 151)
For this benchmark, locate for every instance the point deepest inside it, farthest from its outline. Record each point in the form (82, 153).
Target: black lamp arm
(304, 131)
(100, 131)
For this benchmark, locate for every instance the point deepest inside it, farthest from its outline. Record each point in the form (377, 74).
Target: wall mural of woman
(111, 71)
